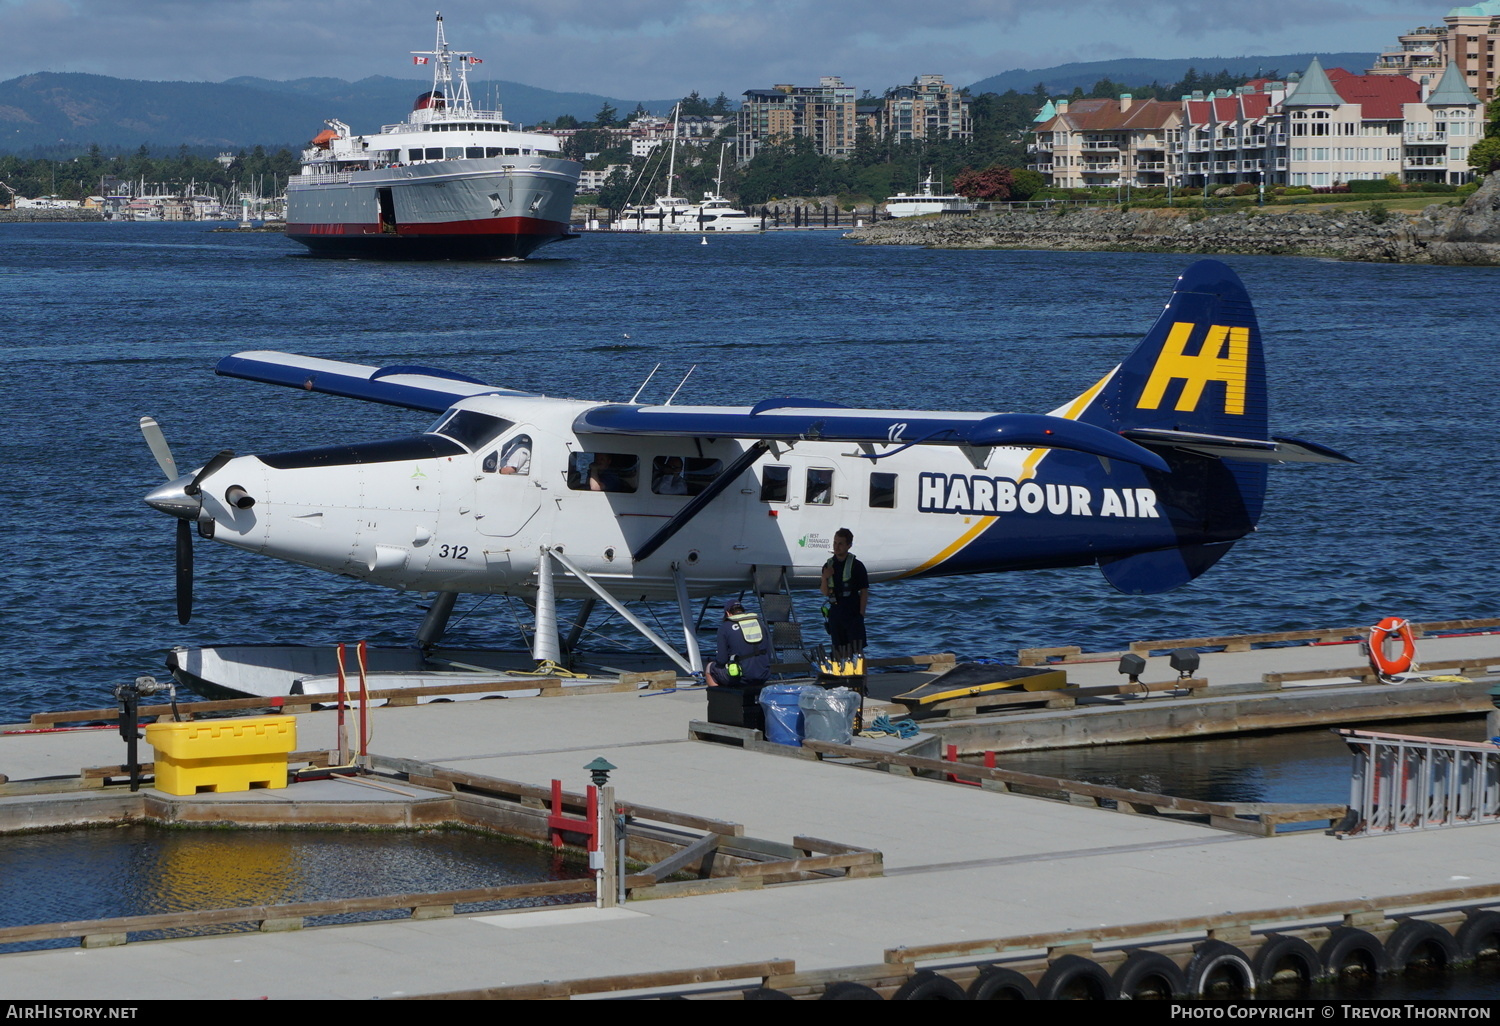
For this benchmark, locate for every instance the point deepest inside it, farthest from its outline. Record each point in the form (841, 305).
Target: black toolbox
(736, 707)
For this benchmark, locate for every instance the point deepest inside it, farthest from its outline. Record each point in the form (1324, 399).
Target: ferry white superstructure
(926, 201)
(452, 181)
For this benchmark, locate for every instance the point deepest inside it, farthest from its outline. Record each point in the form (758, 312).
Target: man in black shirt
(847, 586)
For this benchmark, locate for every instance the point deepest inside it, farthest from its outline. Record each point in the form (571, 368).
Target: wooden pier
(874, 870)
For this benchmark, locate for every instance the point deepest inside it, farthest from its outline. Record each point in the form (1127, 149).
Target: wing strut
(699, 502)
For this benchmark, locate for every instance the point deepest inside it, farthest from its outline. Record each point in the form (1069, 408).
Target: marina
(974, 866)
(993, 870)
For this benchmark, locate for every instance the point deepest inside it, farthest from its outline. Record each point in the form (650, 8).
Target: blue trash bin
(781, 704)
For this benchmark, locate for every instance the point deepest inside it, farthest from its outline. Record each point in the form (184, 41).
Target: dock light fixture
(599, 771)
(1133, 665)
(1185, 662)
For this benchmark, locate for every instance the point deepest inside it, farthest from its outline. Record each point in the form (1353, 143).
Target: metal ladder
(1402, 783)
(775, 600)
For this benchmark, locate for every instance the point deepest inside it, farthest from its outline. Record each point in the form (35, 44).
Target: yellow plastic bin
(222, 755)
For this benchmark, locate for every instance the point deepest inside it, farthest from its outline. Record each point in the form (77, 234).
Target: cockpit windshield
(469, 428)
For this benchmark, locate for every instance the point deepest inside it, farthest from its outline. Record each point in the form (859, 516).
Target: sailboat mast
(672, 161)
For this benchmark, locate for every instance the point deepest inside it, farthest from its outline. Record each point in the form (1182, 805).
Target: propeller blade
(184, 571)
(212, 465)
(159, 448)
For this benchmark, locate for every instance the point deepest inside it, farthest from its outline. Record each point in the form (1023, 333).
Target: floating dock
(820, 874)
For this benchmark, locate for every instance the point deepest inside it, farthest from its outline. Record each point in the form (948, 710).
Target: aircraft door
(809, 498)
(506, 491)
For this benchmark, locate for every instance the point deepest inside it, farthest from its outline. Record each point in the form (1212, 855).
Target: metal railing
(1402, 783)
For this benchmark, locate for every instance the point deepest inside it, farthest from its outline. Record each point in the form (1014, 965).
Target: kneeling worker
(744, 656)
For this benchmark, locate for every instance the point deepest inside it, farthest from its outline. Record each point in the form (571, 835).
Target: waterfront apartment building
(1108, 142)
(927, 110)
(823, 113)
(1467, 38)
(1323, 129)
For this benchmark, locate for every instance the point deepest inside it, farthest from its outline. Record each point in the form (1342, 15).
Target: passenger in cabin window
(517, 456)
(819, 487)
(612, 472)
(670, 481)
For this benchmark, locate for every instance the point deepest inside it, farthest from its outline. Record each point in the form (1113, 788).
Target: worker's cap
(733, 606)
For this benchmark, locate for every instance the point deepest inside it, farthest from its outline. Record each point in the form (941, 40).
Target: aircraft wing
(804, 420)
(416, 388)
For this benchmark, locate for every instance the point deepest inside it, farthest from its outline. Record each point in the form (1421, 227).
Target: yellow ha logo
(1210, 364)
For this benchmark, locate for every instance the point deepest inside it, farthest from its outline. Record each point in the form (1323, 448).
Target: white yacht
(926, 201)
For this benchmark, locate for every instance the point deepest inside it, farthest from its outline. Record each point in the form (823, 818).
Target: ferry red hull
(497, 238)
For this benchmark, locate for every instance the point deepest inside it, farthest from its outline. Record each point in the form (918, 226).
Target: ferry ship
(926, 201)
(451, 182)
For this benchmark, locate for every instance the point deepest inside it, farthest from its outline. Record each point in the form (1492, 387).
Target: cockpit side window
(469, 428)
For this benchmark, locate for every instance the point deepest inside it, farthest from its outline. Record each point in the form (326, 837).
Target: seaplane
(1151, 475)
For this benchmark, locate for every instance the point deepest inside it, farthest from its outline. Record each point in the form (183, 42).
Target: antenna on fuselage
(680, 384)
(646, 382)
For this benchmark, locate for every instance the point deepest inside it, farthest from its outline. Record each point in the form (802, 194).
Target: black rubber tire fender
(1415, 936)
(996, 984)
(1142, 967)
(767, 994)
(1214, 957)
(926, 985)
(1072, 973)
(848, 990)
(1278, 951)
(1348, 946)
(1479, 936)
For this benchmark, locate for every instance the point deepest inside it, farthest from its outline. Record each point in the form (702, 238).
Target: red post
(364, 705)
(342, 733)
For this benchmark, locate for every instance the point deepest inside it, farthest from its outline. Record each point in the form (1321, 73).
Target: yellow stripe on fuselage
(1028, 470)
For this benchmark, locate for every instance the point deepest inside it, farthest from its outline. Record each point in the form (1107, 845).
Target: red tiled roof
(1106, 115)
(1379, 96)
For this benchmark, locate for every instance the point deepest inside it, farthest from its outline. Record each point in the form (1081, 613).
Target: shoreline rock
(1438, 235)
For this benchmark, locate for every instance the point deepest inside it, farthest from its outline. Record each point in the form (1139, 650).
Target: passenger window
(434, 153)
(603, 471)
(882, 491)
(673, 475)
(819, 487)
(413, 154)
(453, 152)
(773, 481)
(492, 151)
(473, 151)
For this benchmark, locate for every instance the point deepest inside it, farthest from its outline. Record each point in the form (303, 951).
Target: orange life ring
(1385, 665)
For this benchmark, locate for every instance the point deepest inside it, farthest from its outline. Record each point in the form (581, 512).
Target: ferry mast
(442, 59)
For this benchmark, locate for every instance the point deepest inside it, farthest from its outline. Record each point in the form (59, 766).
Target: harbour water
(144, 870)
(106, 322)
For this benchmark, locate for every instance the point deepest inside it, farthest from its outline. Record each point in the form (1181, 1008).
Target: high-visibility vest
(750, 628)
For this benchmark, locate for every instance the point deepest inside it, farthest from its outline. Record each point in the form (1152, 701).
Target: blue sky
(664, 48)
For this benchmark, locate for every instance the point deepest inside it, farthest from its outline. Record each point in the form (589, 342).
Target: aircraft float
(1151, 475)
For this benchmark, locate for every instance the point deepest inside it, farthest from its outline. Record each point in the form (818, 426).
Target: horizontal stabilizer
(1252, 450)
(415, 388)
(896, 428)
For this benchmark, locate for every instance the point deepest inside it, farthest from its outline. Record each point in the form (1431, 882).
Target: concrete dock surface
(960, 862)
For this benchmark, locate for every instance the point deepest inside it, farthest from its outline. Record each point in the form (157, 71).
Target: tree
(565, 121)
(993, 183)
(607, 116)
(695, 105)
(721, 105)
(1484, 156)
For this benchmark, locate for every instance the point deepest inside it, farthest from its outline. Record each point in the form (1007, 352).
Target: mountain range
(54, 112)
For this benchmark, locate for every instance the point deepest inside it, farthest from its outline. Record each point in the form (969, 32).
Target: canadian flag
(419, 60)
(476, 60)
